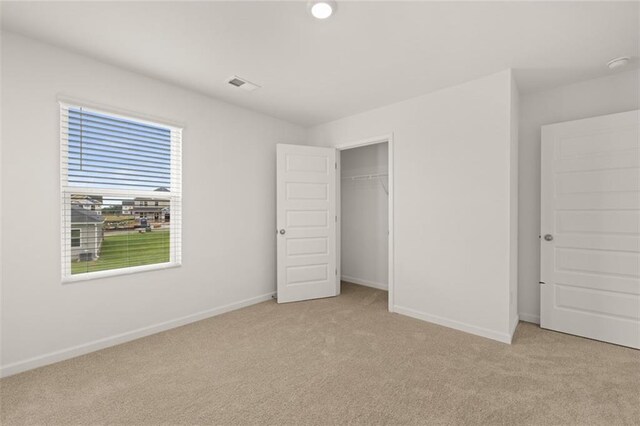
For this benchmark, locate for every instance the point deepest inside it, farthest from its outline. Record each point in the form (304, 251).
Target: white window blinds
(121, 193)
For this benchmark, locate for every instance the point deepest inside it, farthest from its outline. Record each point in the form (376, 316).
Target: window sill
(116, 272)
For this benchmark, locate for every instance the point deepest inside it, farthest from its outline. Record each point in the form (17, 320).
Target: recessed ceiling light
(618, 62)
(322, 9)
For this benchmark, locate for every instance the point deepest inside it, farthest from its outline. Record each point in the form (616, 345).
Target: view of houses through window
(110, 233)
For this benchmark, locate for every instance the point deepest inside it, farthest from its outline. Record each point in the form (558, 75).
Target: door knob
(548, 237)
(282, 232)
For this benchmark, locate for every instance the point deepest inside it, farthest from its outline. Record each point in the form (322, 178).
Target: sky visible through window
(116, 153)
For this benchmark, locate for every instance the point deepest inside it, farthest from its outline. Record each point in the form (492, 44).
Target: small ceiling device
(322, 9)
(618, 62)
(242, 83)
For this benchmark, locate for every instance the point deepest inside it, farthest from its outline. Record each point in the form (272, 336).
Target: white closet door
(306, 221)
(590, 245)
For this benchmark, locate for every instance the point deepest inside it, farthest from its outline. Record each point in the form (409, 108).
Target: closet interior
(364, 205)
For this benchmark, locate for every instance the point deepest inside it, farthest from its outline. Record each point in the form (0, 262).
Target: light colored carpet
(343, 360)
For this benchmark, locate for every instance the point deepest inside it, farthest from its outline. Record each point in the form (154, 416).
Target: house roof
(80, 215)
(159, 189)
(87, 198)
(147, 209)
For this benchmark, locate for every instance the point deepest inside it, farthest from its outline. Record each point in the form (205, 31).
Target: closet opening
(365, 215)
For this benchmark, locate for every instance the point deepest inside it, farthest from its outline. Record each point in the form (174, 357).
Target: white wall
(616, 93)
(364, 214)
(228, 213)
(452, 155)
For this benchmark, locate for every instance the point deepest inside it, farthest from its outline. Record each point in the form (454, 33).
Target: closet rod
(363, 177)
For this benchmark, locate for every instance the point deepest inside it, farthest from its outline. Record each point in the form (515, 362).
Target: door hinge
(336, 218)
(336, 164)
(336, 271)
(541, 282)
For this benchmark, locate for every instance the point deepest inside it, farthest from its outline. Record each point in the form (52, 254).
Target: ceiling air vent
(242, 83)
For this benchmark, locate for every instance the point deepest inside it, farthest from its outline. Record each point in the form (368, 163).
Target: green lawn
(131, 249)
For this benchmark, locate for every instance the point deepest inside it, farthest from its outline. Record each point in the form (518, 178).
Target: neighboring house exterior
(88, 202)
(127, 207)
(154, 209)
(87, 233)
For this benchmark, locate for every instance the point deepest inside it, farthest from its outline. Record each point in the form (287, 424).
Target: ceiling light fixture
(618, 62)
(322, 9)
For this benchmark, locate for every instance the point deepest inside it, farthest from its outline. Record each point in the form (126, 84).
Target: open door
(590, 245)
(306, 223)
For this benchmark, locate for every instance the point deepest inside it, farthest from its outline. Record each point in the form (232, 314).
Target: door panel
(590, 270)
(306, 213)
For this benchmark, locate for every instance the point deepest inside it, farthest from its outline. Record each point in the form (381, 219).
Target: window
(118, 161)
(75, 238)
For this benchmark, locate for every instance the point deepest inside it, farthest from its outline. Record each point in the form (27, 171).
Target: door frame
(388, 138)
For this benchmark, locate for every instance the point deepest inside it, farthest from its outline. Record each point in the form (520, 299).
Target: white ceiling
(369, 54)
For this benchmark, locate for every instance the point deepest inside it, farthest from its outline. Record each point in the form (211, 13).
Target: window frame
(174, 195)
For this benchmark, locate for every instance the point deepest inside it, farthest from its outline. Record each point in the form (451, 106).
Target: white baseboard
(530, 318)
(72, 352)
(457, 325)
(372, 284)
(512, 329)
